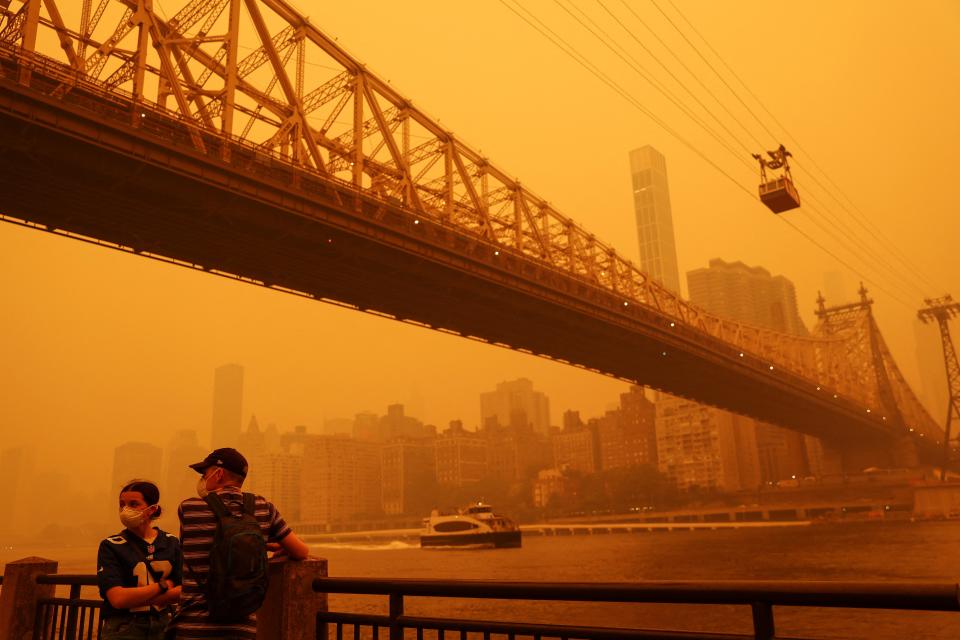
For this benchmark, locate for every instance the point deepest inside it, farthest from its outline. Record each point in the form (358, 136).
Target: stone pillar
(19, 595)
(290, 609)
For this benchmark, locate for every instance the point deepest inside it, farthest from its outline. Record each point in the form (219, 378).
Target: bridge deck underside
(66, 169)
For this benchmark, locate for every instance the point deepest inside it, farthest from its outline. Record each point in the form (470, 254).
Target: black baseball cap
(228, 458)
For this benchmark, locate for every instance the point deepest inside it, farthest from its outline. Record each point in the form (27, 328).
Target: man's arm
(294, 547)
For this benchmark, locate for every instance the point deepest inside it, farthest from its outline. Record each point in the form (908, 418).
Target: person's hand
(273, 546)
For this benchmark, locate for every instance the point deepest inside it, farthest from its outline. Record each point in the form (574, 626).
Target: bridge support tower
(942, 310)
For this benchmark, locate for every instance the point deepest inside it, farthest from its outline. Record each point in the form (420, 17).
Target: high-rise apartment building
(340, 479)
(502, 406)
(746, 294)
(408, 472)
(753, 296)
(277, 476)
(696, 445)
(627, 437)
(227, 405)
(651, 201)
(137, 460)
(576, 449)
(460, 456)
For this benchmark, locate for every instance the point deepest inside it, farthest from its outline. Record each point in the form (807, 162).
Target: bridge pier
(905, 454)
(855, 457)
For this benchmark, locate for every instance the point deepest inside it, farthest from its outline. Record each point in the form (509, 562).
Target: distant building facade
(227, 405)
(576, 449)
(651, 201)
(747, 294)
(696, 445)
(408, 471)
(277, 476)
(501, 406)
(180, 480)
(460, 456)
(549, 483)
(340, 479)
(627, 437)
(753, 296)
(137, 460)
(397, 424)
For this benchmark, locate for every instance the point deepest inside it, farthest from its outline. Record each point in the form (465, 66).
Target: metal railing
(760, 596)
(70, 618)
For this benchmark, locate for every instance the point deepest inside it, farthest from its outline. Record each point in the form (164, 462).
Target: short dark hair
(233, 477)
(149, 491)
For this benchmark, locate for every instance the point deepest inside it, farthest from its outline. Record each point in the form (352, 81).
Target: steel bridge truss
(299, 97)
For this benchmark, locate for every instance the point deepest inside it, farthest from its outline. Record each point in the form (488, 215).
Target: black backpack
(237, 582)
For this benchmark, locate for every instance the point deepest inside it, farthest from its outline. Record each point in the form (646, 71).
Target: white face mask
(202, 487)
(133, 518)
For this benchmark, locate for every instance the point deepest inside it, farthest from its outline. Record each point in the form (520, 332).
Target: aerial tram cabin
(778, 194)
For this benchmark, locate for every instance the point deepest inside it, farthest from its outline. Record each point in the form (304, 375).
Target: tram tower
(942, 310)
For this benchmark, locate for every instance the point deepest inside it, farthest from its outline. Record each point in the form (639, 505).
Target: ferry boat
(475, 526)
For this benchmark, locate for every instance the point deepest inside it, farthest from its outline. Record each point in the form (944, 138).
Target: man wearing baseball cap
(222, 472)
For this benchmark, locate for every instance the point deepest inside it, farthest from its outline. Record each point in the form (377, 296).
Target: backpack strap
(250, 504)
(220, 510)
(216, 505)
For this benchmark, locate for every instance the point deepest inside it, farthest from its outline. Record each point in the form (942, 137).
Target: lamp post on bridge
(942, 310)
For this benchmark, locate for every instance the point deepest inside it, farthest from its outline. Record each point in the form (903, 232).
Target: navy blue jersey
(120, 565)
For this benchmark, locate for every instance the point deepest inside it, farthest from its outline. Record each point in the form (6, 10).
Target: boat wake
(393, 545)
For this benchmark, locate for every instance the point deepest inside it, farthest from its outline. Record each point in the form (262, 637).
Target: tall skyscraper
(651, 201)
(504, 405)
(227, 405)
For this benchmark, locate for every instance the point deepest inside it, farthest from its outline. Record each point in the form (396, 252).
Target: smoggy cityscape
(547, 319)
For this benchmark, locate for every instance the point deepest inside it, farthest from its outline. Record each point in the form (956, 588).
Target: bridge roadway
(91, 164)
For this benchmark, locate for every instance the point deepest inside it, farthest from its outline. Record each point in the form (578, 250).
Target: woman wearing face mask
(138, 569)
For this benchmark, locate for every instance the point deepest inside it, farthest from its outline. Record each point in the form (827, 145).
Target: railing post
(19, 596)
(72, 612)
(396, 610)
(763, 621)
(290, 609)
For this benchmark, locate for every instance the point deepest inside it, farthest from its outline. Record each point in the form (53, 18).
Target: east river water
(870, 551)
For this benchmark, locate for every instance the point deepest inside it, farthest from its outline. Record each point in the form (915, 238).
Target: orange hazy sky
(100, 347)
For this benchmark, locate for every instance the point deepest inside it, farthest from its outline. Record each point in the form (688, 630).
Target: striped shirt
(198, 524)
